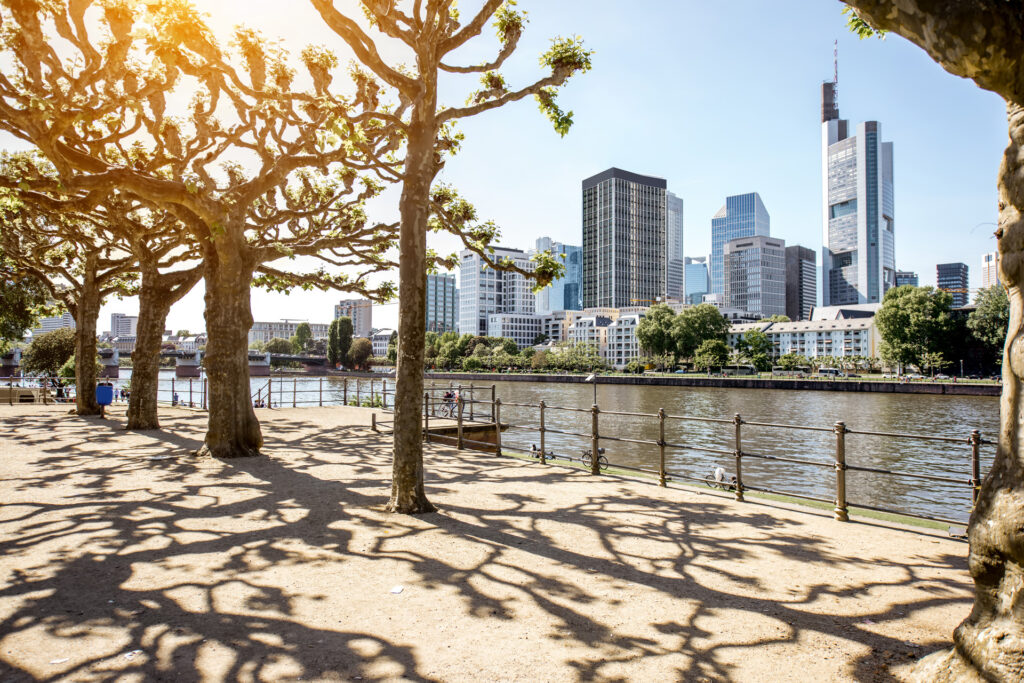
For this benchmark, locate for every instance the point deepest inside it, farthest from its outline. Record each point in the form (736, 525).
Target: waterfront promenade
(124, 556)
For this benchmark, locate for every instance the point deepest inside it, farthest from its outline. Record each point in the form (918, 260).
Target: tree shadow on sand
(187, 568)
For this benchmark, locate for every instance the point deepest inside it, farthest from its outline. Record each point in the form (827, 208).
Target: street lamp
(592, 378)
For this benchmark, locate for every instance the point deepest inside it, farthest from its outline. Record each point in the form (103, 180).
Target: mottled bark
(233, 429)
(984, 40)
(154, 305)
(86, 312)
(989, 644)
(407, 491)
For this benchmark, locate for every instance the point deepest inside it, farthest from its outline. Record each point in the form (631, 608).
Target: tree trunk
(407, 491)
(989, 644)
(233, 429)
(154, 305)
(86, 313)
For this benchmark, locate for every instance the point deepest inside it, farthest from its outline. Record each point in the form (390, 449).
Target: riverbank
(122, 556)
(844, 385)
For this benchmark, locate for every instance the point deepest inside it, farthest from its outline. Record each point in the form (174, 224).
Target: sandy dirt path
(123, 558)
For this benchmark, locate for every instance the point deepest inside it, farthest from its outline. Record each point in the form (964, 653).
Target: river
(951, 416)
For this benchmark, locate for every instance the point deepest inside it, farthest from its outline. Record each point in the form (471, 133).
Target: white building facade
(263, 332)
(361, 313)
(522, 329)
(484, 291)
(989, 269)
(816, 339)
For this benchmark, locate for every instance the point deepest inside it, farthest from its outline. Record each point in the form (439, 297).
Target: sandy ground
(119, 566)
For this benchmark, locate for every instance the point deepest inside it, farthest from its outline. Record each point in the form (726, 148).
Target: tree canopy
(48, 352)
(913, 321)
(990, 320)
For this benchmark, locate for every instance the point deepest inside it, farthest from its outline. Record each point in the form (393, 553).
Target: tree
(392, 353)
(913, 321)
(48, 352)
(303, 337)
(74, 260)
(792, 361)
(344, 337)
(140, 98)
(23, 300)
(933, 360)
(333, 341)
(989, 321)
(775, 319)
(654, 333)
(712, 353)
(433, 32)
(696, 325)
(183, 333)
(539, 338)
(756, 348)
(984, 40)
(279, 346)
(360, 353)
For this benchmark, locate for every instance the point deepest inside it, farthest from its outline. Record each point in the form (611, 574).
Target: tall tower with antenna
(858, 244)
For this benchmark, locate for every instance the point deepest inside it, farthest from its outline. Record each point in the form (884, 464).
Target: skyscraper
(565, 293)
(905, 277)
(696, 269)
(755, 275)
(989, 269)
(801, 282)
(122, 325)
(624, 239)
(743, 215)
(674, 275)
(484, 290)
(952, 278)
(858, 260)
(442, 303)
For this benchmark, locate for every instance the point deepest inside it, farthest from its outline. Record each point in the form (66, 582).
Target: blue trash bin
(104, 394)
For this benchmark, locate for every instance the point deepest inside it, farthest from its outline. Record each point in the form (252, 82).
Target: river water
(920, 414)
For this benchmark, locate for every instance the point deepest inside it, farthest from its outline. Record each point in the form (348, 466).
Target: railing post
(344, 390)
(321, 391)
(661, 447)
(173, 402)
(426, 416)
(594, 440)
(472, 396)
(493, 394)
(10, 391)
(295, 384)
(189, 392)
(384, 394)
(841, 512)
(459, 405)
(738, 421)
(975, 466)
(373, 421)
(373, 394)
(496, 411)
(543, 457)
(204, 393)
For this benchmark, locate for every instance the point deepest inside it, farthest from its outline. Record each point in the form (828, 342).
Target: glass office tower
(858, 263)
(565, 293)
(743, 215)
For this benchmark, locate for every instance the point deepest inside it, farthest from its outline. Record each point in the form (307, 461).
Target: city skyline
(692, 138)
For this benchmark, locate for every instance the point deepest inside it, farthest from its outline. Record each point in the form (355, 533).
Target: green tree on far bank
(989, 321)
(49, 352)
(654, 333)
(21, 302)
(712, 353)
(756, 348)
(913, 321)
(697, 325)
(303, 337)
(360, 353)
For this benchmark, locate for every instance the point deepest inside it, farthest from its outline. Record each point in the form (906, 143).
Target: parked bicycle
(449, 407)
(587, 458)
(718, 479)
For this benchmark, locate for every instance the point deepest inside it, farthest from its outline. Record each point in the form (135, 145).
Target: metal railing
(698, 450)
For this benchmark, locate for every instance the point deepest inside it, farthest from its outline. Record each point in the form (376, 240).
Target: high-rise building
(442, 303)
(674, 275)
(696, 277)
(54, 323)
(361, 312)
(122, 325)
(858, 259)
(742, 215)
(624, 239)
(801, 282)
(565, 293)
(755, 275)
(905, 277)
(484, 290)
(989, 269)
(952, 278)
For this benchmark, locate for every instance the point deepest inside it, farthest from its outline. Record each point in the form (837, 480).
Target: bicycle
(448, 409)
(716, 479)
(586, 458)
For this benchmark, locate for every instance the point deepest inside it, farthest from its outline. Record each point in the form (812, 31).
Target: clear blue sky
(719, 98)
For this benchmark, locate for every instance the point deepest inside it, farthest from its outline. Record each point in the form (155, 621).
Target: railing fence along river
(920, 456)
